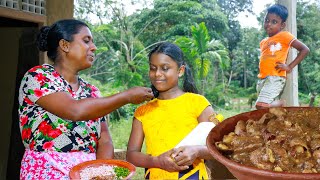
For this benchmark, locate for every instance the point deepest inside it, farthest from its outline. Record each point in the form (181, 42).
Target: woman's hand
(166, 162)
(137, 95)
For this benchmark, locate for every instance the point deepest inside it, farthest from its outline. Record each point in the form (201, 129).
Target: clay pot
(74, 173)
(243, 172)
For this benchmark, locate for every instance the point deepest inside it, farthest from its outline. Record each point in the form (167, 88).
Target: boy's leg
(275, 103)
(269, 90)
(260, 85)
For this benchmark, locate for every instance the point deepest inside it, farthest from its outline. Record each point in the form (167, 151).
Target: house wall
(56, 10)
(9, 59)
(9, 49)
(59, 9)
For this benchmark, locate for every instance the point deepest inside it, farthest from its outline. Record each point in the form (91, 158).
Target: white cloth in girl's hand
(198, 135)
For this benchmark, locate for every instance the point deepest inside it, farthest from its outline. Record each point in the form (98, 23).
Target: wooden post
(290, 93)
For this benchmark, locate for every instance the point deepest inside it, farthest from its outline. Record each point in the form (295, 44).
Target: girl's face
(81, 49)
(164, 72)
(273, 24)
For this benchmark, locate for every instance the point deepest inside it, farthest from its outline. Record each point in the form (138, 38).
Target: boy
(274, 52)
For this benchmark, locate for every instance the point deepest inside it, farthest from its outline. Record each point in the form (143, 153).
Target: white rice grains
(100, 172)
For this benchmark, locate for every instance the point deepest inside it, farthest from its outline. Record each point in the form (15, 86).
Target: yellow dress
(165, 123)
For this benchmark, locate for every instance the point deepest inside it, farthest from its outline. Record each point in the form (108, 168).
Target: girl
(164, 121)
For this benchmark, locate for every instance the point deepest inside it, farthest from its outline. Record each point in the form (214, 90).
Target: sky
(250, 20)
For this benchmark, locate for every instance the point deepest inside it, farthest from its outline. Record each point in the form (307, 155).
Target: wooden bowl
(243, 172)
(74, 173)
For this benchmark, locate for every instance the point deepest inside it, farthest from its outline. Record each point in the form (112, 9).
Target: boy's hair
(279, 10)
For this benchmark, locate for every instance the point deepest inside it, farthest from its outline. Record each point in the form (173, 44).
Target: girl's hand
(283, 67)
(166, 162)
(185, 155)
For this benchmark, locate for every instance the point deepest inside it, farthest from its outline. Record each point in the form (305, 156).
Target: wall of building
(56, 10)
(59, 9)
(9, 49)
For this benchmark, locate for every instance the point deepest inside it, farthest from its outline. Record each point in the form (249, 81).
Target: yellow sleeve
(200, 103)
(138, 113)
(141, 111)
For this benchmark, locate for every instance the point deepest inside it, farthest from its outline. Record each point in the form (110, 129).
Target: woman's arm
(105, 148)
(63, 105)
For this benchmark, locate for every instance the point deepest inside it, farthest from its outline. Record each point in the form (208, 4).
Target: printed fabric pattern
(273, 50)
(43, 131)
(51, 165)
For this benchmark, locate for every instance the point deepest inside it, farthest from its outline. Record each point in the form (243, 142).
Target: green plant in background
(120, 133)
(222, 54)
(203, 54)
(216, 96)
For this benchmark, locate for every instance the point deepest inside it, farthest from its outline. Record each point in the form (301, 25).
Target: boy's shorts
(270, 88)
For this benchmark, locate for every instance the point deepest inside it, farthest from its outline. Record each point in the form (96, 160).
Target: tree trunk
(202, 77)
(290, 92)
(312, 99)
(245, 74)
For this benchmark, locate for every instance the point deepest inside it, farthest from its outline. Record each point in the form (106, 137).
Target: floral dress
(53, 144)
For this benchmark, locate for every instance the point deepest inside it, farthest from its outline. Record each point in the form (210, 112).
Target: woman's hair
(279, 10)
(49, 36)
(176, 54)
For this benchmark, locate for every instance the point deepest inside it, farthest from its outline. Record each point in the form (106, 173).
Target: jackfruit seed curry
(279, 141)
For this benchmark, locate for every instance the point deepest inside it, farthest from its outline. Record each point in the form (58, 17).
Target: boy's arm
(303, 51)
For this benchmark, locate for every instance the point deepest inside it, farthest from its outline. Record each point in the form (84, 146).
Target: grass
(120, 132)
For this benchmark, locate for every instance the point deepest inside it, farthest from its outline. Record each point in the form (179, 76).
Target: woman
(62, 116)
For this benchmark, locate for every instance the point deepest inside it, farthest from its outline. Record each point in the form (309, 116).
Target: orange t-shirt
(274, 49)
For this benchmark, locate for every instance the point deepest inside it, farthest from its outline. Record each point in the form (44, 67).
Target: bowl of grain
(269, 144)
(102, 169)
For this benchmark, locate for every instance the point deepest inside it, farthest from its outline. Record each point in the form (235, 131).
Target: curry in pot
(279, 141)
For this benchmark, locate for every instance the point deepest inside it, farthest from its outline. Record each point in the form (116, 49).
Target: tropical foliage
(223, 56)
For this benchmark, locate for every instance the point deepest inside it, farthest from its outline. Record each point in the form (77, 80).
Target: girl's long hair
(176, 54)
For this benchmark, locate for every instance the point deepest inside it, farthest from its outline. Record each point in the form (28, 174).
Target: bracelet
(216, 118)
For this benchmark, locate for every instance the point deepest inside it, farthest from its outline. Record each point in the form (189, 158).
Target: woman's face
(163, 72)
(81, 49)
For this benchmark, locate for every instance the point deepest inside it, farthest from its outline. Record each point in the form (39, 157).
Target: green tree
(201, 52)
(169, 19)
(121, 57)
(308, 31)
(245, 65)
(233, 7)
